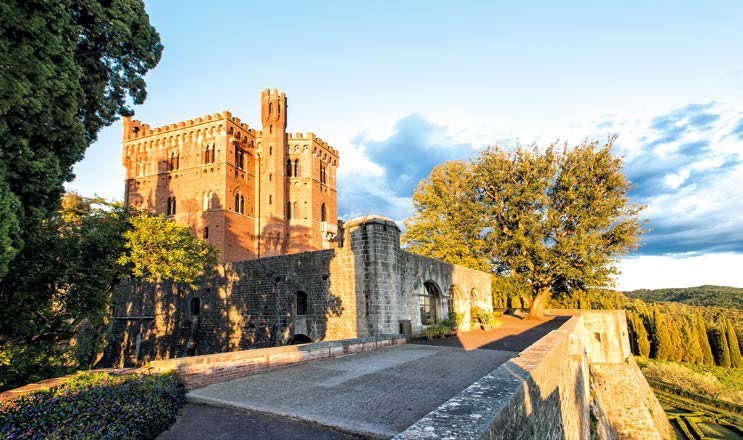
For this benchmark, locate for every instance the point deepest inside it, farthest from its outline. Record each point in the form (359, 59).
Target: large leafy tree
(67, 69)
(555, 219)
(159, 249)
(63, 277)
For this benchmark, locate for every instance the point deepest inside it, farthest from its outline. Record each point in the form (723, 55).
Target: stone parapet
(198, 371)
(545, 391)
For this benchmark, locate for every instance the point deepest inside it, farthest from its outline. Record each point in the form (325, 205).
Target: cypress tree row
(677, 346)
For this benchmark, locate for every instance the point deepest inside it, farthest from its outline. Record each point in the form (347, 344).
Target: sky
(400, 87)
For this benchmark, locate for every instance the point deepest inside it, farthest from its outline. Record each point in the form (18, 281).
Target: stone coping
(370, 219)
(473, 412)
(167, 364)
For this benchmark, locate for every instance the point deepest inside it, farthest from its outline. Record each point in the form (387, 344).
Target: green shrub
(96, 405)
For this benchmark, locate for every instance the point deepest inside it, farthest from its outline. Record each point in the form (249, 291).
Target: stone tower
(273, 229)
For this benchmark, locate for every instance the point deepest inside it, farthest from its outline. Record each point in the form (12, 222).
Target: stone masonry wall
(365, 288)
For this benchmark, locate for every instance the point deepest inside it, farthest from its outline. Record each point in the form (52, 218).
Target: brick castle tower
(252, 193)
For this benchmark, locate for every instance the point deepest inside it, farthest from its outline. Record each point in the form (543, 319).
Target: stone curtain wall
(364, 288)
(545, 392)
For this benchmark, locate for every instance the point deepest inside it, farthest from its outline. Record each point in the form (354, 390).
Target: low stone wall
(198, 371)
(545, 391)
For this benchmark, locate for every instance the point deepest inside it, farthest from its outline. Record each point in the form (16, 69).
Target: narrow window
(170, 207)
(242, 205)
(270, 199)
(288, 168)
(237, 202)
(301, 303)
(288, 210)
(323, 213)
(195, 306)
(296, 167)
(206, 232)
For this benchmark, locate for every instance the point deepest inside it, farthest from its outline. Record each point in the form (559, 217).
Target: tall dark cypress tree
(707, 357)
(734, 348)
(641, 344)
(720, 346)
(662, 345)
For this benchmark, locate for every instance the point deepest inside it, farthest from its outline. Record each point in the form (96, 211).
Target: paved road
(376, 394)
(216, 423)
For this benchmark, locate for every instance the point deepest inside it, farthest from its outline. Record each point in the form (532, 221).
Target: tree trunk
(539, 303)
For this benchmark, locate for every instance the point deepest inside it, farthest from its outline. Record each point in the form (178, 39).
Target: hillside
(716, 296)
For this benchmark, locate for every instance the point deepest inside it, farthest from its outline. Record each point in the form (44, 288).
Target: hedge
(96, 406)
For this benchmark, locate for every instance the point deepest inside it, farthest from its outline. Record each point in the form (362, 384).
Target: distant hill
(717, 296)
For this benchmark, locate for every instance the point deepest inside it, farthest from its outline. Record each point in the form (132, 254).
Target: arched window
(207, 201)
(301, 303)
(206, 232)
(239, 203)
(239, 158)
(195, 306)
(208, 154)
(270, 199)
(323, 171)
(323, 213)
(288, 168)
(296, 167)
(170, 208)
(288, 210)
(173, 160)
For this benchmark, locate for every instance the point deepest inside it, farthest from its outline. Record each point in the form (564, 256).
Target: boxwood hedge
(96, 406)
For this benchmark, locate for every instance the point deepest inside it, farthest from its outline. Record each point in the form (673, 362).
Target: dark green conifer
(707, 357)
(662, 345)
(734, 348)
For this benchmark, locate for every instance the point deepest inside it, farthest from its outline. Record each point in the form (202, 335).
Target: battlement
(311, 137)
(135, 129)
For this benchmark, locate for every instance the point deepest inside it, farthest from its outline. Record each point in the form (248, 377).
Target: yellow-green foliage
(158, 248)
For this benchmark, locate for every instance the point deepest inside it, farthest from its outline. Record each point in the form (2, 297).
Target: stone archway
(430, 303)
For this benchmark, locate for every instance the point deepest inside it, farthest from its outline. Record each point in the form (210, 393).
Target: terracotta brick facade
(252, 193)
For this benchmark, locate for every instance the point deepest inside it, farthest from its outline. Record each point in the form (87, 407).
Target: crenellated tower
(273, 228)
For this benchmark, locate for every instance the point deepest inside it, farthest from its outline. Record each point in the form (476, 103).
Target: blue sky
(399, 87)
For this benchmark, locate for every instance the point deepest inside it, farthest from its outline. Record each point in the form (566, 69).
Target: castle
(252, 193)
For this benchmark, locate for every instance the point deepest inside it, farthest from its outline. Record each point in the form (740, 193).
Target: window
(195, 306)
(208, 154)
(208, 199)
(270, 199)
(296, 167)
(239, 203)
(301, 303)
(288, 168)
(323, 213)
(288, 210)
(239, 158)
(206, 232)
(170, 208)
(323, 171)
(173, 161)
